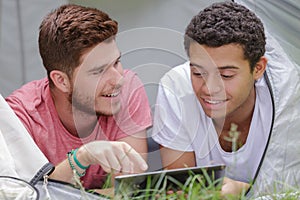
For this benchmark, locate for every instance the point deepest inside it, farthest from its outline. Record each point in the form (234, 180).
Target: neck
(76, 122)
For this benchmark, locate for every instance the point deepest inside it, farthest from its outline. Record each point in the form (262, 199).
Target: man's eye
(98, 72)
(117, 63)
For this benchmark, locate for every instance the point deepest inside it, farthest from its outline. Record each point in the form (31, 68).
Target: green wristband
(69, 154)
(77, 161)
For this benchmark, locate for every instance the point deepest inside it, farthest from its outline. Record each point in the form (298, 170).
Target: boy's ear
(60, 80)
(260, 67)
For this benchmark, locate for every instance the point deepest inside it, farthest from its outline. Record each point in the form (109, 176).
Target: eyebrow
(97, 68)
(100, 67)
(220, 67)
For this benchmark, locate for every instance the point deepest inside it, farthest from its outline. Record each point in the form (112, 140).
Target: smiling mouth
(112, 94)
(214, 102)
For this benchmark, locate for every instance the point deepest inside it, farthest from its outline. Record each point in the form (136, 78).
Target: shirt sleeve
(135, 114)
(169, 127)
(18, 108)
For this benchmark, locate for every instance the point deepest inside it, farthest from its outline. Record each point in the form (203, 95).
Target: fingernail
(144, 167)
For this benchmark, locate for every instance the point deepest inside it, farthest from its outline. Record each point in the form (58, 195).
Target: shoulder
(177, 81)
(181, 71)
(132, 83)
(130, 77)
(29, 95)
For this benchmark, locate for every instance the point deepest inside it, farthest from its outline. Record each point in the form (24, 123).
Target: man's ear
(260, 67)
(60, 80)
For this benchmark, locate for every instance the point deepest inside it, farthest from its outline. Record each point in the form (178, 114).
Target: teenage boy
(223, 106)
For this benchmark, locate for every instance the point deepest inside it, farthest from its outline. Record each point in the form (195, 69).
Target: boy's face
(222, 80)
(97, 82)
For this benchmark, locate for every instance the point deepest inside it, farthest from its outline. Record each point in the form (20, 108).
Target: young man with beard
(88, 116)
(225, 84)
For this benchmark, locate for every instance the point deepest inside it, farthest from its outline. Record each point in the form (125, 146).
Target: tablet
(136, 184)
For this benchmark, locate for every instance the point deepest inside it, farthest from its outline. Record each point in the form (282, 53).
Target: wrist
(81, 158)
(76, 170)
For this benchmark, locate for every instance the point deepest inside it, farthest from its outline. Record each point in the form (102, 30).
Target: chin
(215, 115)
(109, 112)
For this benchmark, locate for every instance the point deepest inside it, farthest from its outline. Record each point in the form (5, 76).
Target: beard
(86, 104)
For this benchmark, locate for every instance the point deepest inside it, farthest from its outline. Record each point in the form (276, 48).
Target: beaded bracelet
(69, 155)
(77, 161)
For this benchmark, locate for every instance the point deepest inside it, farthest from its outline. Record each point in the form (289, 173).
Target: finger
(104, 163)
(113, 162)
(124, 161)
(136, 159)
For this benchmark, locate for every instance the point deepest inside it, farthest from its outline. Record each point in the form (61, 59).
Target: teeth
(213, 102)
(112, 95)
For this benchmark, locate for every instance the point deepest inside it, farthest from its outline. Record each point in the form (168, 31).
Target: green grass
(197, 186)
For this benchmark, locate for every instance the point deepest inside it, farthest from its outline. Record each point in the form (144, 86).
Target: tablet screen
(137, 184)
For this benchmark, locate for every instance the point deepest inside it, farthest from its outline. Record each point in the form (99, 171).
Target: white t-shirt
(181, 124)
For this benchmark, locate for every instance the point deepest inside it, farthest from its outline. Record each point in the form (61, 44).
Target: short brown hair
(68, 32)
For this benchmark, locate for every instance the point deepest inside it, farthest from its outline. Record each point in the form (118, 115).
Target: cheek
(196, 84)
(89, 87)
(239, 89)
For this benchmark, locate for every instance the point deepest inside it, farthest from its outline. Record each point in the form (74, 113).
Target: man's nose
(115, 76)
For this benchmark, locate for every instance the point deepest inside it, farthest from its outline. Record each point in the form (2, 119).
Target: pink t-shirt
(34, 106)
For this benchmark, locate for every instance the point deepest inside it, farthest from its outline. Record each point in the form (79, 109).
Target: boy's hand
(233, 187)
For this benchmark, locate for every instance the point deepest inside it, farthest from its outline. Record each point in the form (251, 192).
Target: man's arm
(112, 156)
(137, 142)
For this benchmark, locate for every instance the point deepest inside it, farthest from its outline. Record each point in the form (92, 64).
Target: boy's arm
(172, 159)
(138, 142)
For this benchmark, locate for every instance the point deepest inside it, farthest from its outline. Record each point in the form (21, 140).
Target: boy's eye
(227, 76)
(200, 74)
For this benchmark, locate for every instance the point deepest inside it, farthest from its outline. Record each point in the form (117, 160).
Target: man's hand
(233, 187)
(113, 156)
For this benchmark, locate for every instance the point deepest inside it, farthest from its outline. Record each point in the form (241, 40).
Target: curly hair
(68, 32)
(225, 23)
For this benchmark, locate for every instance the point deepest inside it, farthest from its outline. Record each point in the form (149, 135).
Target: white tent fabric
(282, 20)
(279, 171)
(20, 157)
